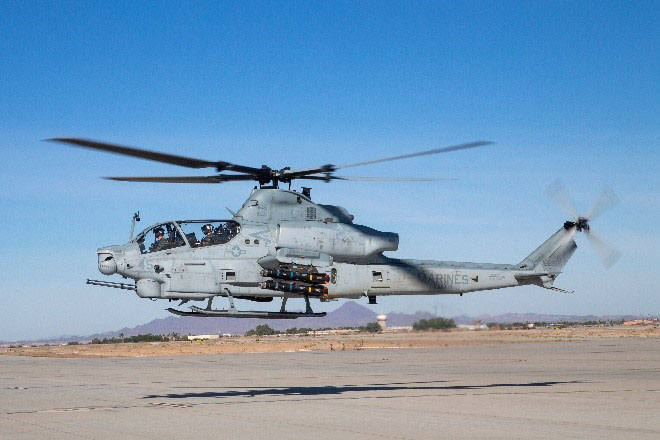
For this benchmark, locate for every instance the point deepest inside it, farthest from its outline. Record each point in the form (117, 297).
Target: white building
(382, 321)
(202, 337)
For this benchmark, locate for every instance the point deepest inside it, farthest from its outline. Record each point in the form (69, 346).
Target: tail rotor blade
(607, 253)
(558, 192)
(606, 201)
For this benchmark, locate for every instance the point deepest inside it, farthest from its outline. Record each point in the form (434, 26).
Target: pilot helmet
(159, 231)
(207, 229)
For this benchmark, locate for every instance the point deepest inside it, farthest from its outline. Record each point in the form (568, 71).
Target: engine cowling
(338, 240)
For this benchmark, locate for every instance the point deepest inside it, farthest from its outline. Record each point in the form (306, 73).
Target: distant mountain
(349, 314)
(539, 317)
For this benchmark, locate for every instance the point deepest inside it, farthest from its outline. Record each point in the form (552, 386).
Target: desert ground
(542, 384)
(336, 342)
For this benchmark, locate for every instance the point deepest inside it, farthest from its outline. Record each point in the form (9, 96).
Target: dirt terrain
(337, 341)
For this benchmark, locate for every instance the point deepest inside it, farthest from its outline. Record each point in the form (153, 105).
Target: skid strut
(232, 312)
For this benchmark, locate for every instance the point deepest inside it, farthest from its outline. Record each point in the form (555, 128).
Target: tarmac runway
(605, 388)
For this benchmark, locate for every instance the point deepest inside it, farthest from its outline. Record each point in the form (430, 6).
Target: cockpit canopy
(195, 233)
(209, 232)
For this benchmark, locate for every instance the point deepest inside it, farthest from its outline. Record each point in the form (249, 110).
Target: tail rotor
(606, 201)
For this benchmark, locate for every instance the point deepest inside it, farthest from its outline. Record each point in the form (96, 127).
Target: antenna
(136, 218)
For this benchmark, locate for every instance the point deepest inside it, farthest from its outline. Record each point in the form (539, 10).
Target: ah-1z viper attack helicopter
(282, 244)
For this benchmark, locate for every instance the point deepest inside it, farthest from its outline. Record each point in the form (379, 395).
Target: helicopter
(282, 244)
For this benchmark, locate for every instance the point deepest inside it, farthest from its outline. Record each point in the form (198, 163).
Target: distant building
(472, 327)
(401, 328)
(382, 321)
(338, 331)
(202, 337)
(641, 322)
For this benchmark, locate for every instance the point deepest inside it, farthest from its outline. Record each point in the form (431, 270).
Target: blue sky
(566, 90)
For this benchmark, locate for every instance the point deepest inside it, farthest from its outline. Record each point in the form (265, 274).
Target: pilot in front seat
(160, 243)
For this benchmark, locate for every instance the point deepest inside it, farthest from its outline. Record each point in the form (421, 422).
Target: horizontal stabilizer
(544, 280)
(557, 289)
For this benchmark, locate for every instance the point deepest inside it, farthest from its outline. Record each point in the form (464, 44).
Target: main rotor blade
(392, 179)
(288, 175)
(137, 152)
(373, 179)
(608, 254)
(172, 159)
(220, 178)
(606, 201)
(558, 192)
(417, 154)
(226, 166)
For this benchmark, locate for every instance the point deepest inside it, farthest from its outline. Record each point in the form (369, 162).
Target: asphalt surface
(604, 388)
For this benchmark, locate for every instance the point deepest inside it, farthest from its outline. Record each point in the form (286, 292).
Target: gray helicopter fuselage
(281, 244)
(277, 228)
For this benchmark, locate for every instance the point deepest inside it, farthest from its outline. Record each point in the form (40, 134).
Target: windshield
(159, 238)
(201, 233)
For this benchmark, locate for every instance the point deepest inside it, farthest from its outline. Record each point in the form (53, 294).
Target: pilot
(222, 233)
(160, 243)
(207, 230)
(231, 229)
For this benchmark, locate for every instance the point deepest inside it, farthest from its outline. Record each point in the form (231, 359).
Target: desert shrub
(298, 331)
(438, 323)
(372, 327)
(262, 330)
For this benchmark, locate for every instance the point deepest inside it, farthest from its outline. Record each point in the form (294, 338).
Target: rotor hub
(581, 224)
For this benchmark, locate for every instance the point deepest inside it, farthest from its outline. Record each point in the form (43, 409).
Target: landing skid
(196, 311)
(232, 312)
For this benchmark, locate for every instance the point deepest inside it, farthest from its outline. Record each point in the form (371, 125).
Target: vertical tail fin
(551, 257)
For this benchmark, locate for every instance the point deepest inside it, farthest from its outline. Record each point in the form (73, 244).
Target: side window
(200, 233)
(160, 238)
